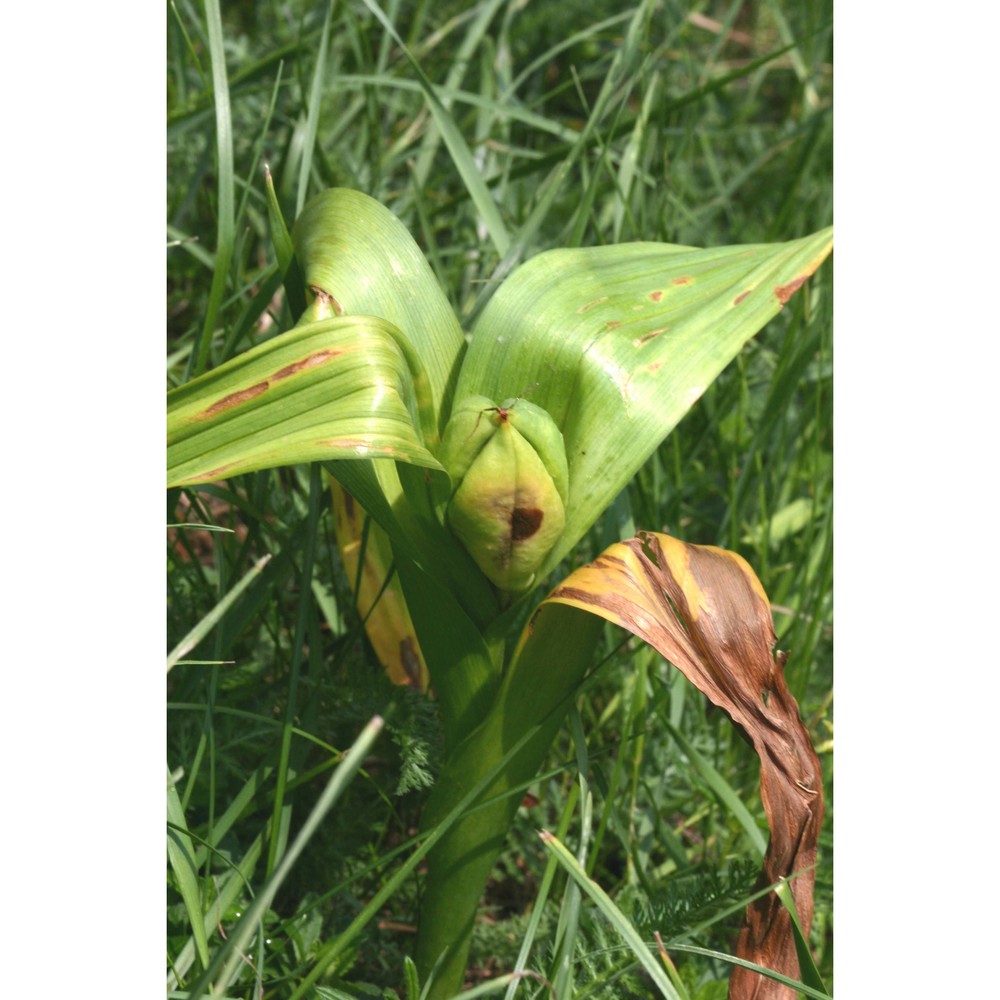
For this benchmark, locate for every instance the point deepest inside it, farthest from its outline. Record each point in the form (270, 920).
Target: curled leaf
(333, 389)
(706, 612)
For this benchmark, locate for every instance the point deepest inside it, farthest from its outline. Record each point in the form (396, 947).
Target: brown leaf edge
(703, 609)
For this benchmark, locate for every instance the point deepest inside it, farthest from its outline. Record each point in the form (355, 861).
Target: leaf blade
(618, 343)
(337, 388)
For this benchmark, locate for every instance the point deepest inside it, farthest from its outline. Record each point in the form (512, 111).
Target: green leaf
(356, 251)
(618, 343)
(337, 388)
(377, 486)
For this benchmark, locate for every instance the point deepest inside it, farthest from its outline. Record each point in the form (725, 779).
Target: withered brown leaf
(703, 609)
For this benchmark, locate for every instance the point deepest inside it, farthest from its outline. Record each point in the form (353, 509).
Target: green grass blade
(191, 640)
(457, 147)
(459, 67)
(305, 612)
(538, 906)
(180, 854)
(807, 966)
(721, 956)
(227, 959)
(281, 238)
(226, 231)
(614, 916)
(722, 790)
(230, 888)
(314, 104)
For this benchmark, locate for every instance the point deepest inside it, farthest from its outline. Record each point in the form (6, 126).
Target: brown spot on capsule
(525, 522)
(785, 292)
(233, 399)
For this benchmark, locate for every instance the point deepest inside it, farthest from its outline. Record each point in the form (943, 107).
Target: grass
(702, 124)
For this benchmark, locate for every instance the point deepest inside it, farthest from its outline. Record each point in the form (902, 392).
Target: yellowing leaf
(380, 603)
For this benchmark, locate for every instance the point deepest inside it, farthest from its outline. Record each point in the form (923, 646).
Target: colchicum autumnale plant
(483, 462)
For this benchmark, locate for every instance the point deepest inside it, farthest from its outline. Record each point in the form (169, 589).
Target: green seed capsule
(508, 507)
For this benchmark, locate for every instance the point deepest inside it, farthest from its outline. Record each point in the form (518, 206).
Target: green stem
(530, 705)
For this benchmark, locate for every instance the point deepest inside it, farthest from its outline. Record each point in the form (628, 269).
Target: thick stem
(512, 742)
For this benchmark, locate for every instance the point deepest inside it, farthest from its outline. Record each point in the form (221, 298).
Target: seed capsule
(508, 506)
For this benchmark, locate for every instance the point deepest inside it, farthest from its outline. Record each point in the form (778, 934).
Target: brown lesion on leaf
(245, 395)
(684, 279)
(327, 300)
(233, 399)
(319, 358)
(739, 298)
(785, 292)
(409, 657)
(214, 475)
(657, 295)
(612, 324)
(590, 305)
(646, 338)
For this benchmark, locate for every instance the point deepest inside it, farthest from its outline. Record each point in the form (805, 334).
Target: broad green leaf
(337, 388)
(354, 250)
(618, 342)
